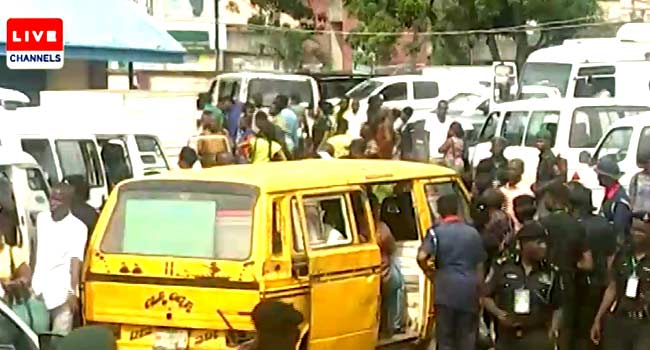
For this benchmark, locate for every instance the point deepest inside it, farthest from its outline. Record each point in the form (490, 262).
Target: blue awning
(103, 30)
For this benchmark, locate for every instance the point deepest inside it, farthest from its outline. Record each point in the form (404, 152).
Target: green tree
(389, 16)
(416, 16)
(490, 14)
(287, 44)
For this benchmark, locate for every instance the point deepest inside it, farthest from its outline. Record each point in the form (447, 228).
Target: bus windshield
(555, 75)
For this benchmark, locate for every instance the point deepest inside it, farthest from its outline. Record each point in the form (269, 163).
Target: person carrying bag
(15, 273)
(19, 295)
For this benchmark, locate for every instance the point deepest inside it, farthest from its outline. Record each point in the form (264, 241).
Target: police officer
(523, 294)
(548, 171)
(616, 206)
(625, 308)
(457, 251)
(496, 166)
(590, 285)
(568, 250)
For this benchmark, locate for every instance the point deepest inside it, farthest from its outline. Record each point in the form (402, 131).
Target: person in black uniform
(625, 308)
(524, 295)
(525, 209)
(568, 250)
(616, 206)
(548, 172)
(590, 285)
(495, 167)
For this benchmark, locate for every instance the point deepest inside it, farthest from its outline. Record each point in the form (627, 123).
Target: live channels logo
(35, 43)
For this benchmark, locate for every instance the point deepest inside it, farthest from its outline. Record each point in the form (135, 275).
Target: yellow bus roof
(306, 174)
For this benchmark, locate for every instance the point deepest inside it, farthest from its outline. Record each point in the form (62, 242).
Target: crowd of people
(235, 133)
(542, 267)
(536, 266)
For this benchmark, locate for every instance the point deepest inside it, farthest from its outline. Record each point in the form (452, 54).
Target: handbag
(29, 308)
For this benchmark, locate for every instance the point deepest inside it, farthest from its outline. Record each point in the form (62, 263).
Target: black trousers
(532, 340)
(586, 311)
(621, 333)
(455, 329)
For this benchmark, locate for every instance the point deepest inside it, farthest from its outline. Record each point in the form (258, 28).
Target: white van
(262, 88)
(576, 124)
(60, 149)
(30, 190)
(617, 66)
(420, 92)
(625, 139)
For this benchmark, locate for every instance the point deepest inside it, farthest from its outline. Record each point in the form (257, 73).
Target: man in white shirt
(355, 119)
(61, 239)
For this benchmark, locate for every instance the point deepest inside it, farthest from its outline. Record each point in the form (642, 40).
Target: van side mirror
(585, 158)
(505, 76)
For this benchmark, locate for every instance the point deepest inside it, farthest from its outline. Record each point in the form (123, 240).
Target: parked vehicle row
(576, 125)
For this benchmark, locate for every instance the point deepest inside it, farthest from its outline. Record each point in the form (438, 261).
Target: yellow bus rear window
(187, 224)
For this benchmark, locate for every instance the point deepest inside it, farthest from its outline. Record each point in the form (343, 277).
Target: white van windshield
(80, 157)
(364, 89)
(522, 128)
(462, 101)
(616, 143)
(590, 123)
(266, 90)
(547, 74)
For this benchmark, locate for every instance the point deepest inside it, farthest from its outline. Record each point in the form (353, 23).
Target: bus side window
(328, 221)
(276, 229)
(362, 220)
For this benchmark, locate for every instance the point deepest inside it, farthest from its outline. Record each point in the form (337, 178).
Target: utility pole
(217, 58)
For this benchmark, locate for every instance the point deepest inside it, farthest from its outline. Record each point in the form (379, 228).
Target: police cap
(532, 231)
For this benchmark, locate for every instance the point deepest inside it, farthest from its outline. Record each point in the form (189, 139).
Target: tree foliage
(387, 16)
(490, 14)
(287, 45)
(458, 15)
